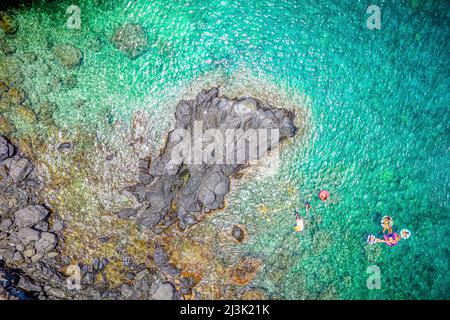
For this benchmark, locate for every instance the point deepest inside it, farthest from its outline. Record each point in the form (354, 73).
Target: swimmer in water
(387, 222)
(299, 225)
(307, 207)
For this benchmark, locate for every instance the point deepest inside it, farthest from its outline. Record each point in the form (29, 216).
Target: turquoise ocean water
(379, 140)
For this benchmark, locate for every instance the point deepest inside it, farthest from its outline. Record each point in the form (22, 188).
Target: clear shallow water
(380, 124)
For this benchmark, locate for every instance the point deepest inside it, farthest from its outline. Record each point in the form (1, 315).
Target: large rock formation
(190, 178)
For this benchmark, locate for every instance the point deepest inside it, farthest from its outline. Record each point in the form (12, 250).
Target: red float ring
(324, 195)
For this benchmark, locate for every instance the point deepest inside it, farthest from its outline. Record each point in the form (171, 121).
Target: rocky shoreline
(171, 197)
(30, 234)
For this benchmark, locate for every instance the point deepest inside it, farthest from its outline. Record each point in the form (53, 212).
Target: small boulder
(29, 252)
(126, 213)
(17, 256)
(27, 235)
(37, 257)
(46, 243)
(15, 95)
(5, 47)
(10, 70)
(150, 220)
(20, 168)
(6, 224)
(30, 216)
(6, 251)
(28, 57)
(6, 126)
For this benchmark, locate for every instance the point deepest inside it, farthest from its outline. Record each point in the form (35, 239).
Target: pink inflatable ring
(324, 195)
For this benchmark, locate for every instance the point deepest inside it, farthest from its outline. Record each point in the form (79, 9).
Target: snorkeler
(307, 207)
(299, 225)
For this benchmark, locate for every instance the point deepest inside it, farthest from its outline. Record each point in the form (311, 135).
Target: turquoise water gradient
(379, 142)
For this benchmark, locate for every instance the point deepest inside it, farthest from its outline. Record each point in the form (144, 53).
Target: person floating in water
(387, 223)
(299, 224)
(391, 238)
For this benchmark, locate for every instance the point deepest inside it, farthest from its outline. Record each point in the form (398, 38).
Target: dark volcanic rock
(188, 182)
(14, 285)
(6, 149)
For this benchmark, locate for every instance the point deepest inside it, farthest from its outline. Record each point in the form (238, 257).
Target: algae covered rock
(5, 47)
(6, 127)
(131, 39)
(10, 71)
(15, 95)
(69, 55)
(26, 114)
(8, 23)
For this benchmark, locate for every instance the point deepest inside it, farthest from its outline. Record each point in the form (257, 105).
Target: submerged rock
(8, 23)
(239, 233)
(131, 39)
(244, 272)
(10, 71)
(26, 114)
(5, 47)
(68, 55)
